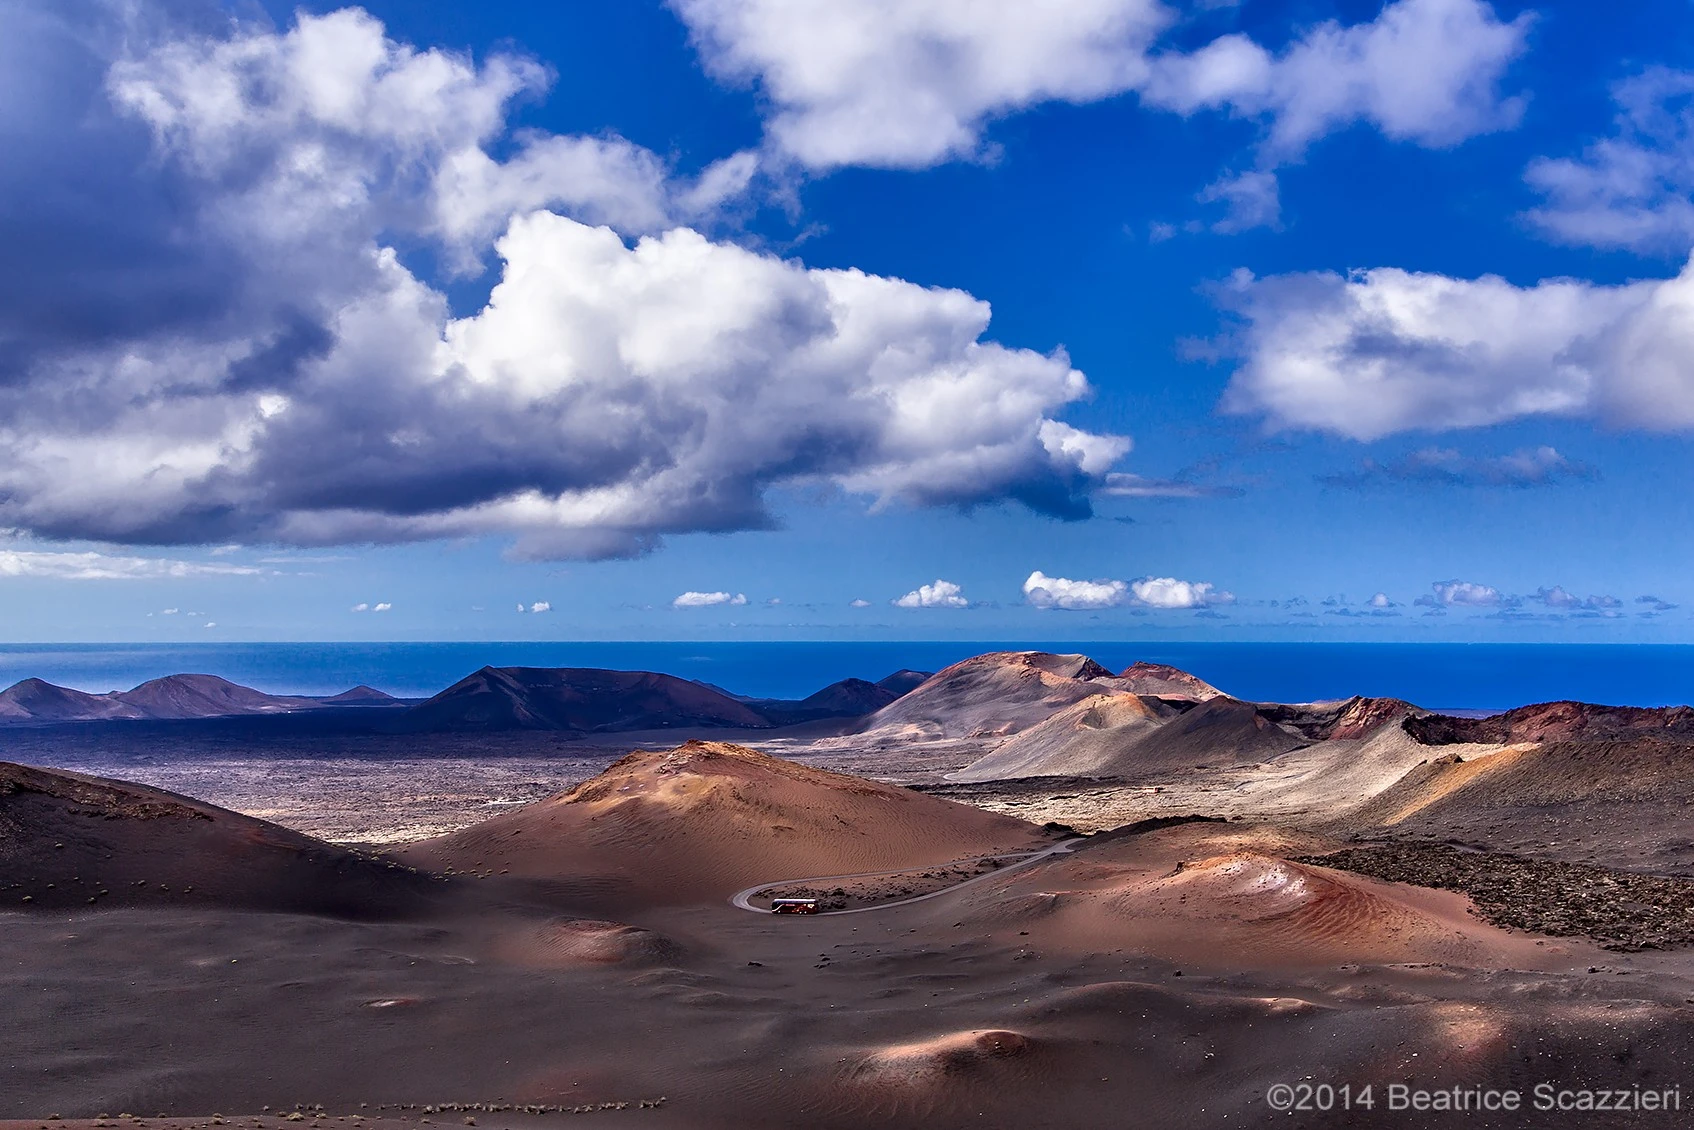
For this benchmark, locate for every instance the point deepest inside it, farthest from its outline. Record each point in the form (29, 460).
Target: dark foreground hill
(67, 840)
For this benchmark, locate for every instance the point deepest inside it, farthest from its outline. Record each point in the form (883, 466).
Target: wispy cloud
(1121, 484)
(92, 566)
(1530, 467)
(1557, 598)
(1378, 607)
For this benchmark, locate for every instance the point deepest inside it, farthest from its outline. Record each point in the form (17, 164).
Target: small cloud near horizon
(941, 594)
(693, 599)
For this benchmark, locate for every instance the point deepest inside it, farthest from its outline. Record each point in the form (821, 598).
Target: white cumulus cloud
(294, 382)
(1168, 592)
(693, 599)
(1043, 591)
(941, 594)
(1385, 350)
(909, 83)
(1463, 594)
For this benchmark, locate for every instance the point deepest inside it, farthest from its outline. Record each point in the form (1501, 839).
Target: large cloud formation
(1385, 350)
(245, 352)
(905, 84)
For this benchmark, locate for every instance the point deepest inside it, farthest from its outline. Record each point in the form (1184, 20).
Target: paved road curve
(1024, 859)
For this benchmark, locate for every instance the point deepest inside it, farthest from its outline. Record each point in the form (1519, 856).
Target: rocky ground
(1621, 910)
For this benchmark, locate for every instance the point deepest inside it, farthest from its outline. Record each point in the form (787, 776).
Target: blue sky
(583, 308)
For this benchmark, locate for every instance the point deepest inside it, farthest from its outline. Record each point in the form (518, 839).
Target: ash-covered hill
(697, 823)
(73, 841)
(999, 693)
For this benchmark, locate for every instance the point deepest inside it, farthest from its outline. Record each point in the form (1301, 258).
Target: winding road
(1024, 859)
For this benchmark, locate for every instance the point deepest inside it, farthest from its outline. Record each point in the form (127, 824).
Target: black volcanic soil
(1622, 910)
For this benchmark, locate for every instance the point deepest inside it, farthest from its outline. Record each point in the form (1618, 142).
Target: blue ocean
(1450, 676)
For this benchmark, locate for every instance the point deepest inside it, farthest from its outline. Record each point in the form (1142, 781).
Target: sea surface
(1437, 676)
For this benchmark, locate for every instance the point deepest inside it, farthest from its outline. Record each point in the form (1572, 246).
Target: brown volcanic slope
(1164, 681)
(1226, 896)
(1081, 740)
(1122, 736)
(1355, 717)
(1001, 692)
(1557, 721)
(67, 841)
(1624, 803)
(581, 699)
(706, 819)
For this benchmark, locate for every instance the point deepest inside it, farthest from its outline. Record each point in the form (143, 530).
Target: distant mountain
(848, 698)
(205, 696)
(360, 695)
(516, 698)
(171, 697)
(995, 694)
(35, 700)
(905, 681)
(579, 699)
